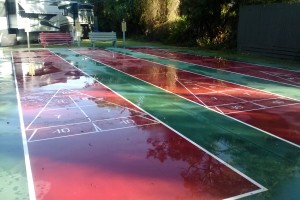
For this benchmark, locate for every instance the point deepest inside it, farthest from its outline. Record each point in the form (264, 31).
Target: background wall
(272, 30)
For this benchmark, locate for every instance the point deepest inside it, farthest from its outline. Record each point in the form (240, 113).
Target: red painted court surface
(87, 142)
(271, 113)
(269, 73)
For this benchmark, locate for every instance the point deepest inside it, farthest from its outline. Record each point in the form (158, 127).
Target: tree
(111, 13)
(210, 23)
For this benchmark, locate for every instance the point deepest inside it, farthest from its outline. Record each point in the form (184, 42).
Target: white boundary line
(31, 189)
(64, 136)
(90, 121)
(33, 133)
(244, 86)
(71, 107)
(101, 99)
(139, 114)
(243, 100)
(219, 110)
(262, 108)
(220, 92)
(262, 188)
(86, 106)
(228, 104)
(145, 117)
(42, 109)
(280, 77)
(200, 104)
(121, 128)
(258, 100)
(80, 108)
(225, 94)
(97, 128)
(192, 93)
(88, 133)
(296, 145)
(217, 68)
(87, 95)
(235, 61)
(58, 125)
(162, 73)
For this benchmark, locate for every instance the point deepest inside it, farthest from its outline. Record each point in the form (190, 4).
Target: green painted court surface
(260, 154)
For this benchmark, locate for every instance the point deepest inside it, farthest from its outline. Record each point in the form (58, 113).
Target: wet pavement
(286, 76)
(268, 112)
(94, 132)
(13, 181)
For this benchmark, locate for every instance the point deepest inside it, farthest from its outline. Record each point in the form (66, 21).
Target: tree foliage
(211, 22)
(110, 14)
(157, 13)
(199, 22)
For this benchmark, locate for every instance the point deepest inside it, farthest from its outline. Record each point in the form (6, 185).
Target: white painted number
(237, 107)
(57, 116)
(63, 130)
(278, 102)
(60, 101)
(127, 121)
(67, 92)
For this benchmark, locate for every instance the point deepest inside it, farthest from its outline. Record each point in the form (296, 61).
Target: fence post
(124, 28)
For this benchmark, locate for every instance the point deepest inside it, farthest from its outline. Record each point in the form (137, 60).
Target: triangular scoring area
(71, 113)
(57, 111)
(273, 73)
(287, 77)
(208, 93)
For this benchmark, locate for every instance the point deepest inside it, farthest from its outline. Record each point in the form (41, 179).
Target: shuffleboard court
(269, 112)
(87, 142)
(289, 77)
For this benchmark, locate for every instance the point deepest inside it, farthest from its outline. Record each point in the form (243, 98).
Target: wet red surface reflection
(274, 74)
(255, 107)
(86, 142)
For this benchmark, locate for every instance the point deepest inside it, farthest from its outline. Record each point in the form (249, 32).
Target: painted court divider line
(273, 135)
(62, 125)
(270, 74)
(261, 130)
(88, 133)
(262, 188)
(42, 110)
(244, 101)
(59, 125)
(80, 108)
(97, 128)
(292, 104)
(219, 110)
(192, 93)
(191, 71)
(31, 190)
(236, 61)
(73, 93)
(224, 69)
